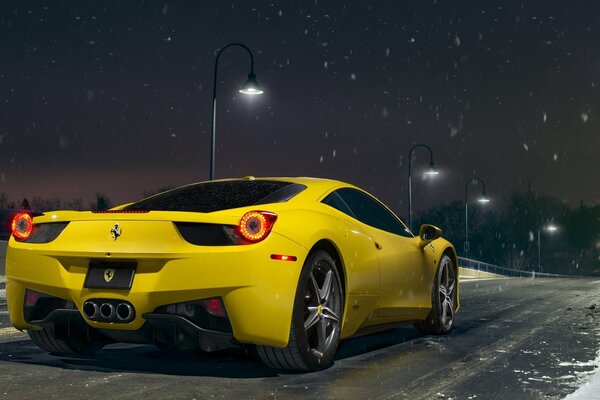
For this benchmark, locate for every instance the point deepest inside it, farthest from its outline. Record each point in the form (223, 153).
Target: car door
(405, 279)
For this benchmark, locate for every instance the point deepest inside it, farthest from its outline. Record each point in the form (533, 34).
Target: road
(515, 338)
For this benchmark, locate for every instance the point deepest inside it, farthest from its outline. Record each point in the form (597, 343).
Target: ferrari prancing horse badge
(109, 274)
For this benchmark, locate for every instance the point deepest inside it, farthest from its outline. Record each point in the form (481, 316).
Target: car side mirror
(428, 233)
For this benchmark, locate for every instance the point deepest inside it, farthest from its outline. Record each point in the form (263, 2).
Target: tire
(443, 300)
(48, 340)
(316, 319)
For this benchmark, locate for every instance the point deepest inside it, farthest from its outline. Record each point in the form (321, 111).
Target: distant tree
(74, 204)
(25, 205)
(102, 202)
(3, 200)
(448, 217)
(522, 218)
(451, 219)
(43, 204)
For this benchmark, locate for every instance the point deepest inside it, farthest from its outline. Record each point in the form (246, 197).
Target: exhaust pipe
(107, 311)
(124, 312)
(90, 310)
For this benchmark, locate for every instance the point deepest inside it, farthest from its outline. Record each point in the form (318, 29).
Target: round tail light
(22, 226)
(256, 225)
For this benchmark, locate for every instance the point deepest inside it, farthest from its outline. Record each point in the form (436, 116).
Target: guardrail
(495, 269)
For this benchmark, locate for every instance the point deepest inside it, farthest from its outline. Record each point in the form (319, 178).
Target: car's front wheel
(50, 340)
(443, 300)
(316, 319)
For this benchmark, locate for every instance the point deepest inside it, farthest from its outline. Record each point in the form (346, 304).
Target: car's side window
(369, 211)
(334, 200)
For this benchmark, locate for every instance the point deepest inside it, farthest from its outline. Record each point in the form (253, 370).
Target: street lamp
(250, 87)
(550, 228)
(483, 199)
(431, 171)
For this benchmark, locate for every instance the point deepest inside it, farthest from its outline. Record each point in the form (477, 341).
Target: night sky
(115, 97)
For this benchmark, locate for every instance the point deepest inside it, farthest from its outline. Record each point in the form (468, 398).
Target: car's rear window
(216, 196)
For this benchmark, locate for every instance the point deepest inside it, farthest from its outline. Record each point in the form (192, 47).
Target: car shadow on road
(226, 364)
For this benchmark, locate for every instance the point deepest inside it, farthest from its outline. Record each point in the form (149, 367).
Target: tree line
(509, 236)
(38, 203)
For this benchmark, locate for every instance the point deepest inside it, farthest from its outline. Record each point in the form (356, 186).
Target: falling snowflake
(384, 112)
(321, 159)
(353, 76)
(525, 146)
(585, 117)
(555, 157)
(387, 52)
(457, 41)
(545, 118)
(453, 130)
(334, 152)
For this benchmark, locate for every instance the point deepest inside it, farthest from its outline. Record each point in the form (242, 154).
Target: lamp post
(551, 228)
(250, 87)
(431, 170)
(483, 199)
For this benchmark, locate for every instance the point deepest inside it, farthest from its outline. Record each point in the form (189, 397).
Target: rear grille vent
(202, 234)
(45, 233)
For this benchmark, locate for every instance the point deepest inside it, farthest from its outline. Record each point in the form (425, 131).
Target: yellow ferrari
(290, 265)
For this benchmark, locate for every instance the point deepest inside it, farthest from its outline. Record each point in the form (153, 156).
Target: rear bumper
(257, 291)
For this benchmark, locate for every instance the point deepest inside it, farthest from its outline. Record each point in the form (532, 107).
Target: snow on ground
(590, 390)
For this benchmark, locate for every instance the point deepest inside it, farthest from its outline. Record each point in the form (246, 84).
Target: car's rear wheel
(443, 300)
(50, 340)
(316, 319)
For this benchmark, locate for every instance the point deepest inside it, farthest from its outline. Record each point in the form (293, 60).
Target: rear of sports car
(201, 266)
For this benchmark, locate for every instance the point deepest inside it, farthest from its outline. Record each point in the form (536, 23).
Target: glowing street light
(551, 228)
(250, 87)
(431, 171)
(482, 199)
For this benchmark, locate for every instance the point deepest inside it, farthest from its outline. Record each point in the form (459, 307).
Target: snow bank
(591, 389)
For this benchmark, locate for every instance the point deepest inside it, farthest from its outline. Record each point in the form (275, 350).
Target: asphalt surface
(515, 338)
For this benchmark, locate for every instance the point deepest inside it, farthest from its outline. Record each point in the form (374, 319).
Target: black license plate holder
(110, 274)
